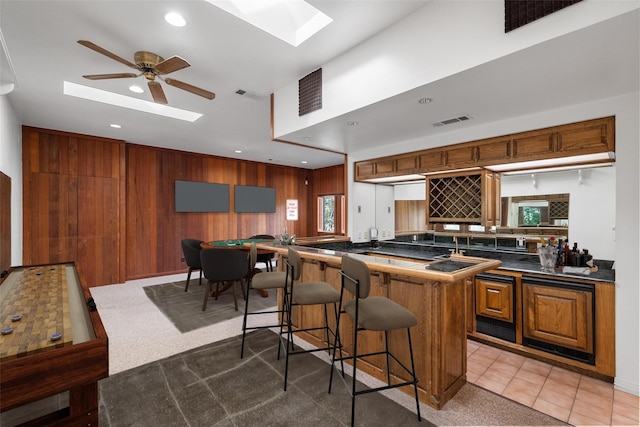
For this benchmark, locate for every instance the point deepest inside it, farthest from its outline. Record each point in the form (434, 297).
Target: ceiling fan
(151, 66)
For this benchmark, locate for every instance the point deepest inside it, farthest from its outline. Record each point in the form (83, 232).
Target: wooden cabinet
(558, 315)
(587, 137)
(491, 201)
(494, 299)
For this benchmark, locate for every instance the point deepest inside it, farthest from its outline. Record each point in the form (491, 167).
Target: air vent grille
(452, 120)
(249, 94)
(310, 92)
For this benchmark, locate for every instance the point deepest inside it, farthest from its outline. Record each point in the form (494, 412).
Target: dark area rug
(212, 386)
(184, 309)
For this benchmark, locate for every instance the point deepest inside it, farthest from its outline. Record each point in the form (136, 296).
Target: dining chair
(263, 280)
(372, 313)
(306, 294)
(191, 250)
(224, 265)
(266, 258)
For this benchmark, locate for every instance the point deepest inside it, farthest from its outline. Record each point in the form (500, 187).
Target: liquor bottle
(560, 258)
(575, 254)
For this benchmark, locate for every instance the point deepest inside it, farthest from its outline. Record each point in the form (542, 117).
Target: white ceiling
(227, 54)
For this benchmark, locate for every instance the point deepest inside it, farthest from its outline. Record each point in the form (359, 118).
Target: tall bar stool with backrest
(266, 258)
(191, 250)
(224, 265)
(307, 294)
(262, 281)
(372, 314)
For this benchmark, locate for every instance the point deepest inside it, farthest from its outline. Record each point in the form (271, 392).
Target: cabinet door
(494, 299)
(460, 157)
(494, 151)
(491, 209)
(587, 137)
(534, 147)
(558, 316)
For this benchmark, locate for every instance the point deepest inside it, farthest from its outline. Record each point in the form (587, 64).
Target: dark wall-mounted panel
(254, 199)
(201, 197)
(520, 12)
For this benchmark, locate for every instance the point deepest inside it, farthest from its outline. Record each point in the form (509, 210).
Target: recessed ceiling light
(238, 151)
(304, 162)
(307, 138)
(98, 95)
(175, 19)
(352, 123)
(136, 89)
(424, 100)
(116, 126)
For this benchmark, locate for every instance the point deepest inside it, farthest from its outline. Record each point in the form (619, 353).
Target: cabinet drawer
(494, 299)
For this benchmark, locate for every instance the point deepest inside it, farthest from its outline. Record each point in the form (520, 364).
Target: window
(331, 214)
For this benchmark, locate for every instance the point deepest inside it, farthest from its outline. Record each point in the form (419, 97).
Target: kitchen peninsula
(433, 290)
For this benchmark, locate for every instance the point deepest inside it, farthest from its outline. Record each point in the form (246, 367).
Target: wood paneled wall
(154, 229)
(5, 222)
(110, 206)
(72, 202)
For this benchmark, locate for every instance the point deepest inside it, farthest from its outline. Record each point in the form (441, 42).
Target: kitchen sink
(448, 265)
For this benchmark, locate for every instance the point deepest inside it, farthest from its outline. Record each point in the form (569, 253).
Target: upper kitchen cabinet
(575, 139)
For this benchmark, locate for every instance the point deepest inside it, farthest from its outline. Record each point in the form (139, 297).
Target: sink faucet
(456, 251)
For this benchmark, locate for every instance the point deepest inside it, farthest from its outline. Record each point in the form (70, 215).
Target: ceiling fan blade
(190, 88)
(105, 52)
(157, 93)
(110, 76)
(172, 64)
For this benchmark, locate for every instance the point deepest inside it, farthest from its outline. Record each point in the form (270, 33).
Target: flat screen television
(254, 199)
(194, 196)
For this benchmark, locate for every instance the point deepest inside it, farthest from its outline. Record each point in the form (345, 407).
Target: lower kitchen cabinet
(569, 323)
(558, 316)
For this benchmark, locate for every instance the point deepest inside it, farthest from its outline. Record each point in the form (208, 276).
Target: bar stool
(372, 314)
(307, 294)
(262, 281)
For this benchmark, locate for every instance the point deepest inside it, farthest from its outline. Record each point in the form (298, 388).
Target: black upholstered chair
(266, 258)
(224, 265)
(306, 294)
(262, 281)
(191, 251)
(372, 313)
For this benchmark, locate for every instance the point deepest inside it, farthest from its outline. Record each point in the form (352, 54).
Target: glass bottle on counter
(560, 259)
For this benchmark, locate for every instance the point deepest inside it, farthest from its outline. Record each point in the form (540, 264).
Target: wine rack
(455, 198)
(559, 210)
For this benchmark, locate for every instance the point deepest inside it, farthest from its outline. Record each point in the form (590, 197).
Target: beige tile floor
(567, 396)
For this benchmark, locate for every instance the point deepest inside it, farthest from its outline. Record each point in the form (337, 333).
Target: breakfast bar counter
(433, 290)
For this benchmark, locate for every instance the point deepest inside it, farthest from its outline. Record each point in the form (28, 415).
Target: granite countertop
(450, 269)
(521, 262)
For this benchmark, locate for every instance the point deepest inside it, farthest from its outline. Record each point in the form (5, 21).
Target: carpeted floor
(212, 386)
(184, 309)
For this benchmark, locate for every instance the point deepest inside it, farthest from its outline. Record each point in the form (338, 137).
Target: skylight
(293, 21)
(98, 95)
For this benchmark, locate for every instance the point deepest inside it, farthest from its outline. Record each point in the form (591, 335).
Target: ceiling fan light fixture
(175, 19)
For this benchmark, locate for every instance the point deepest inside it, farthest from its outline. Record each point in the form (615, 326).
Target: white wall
(592, 212)
(425, 47)
(385, 212)
(11, 165)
